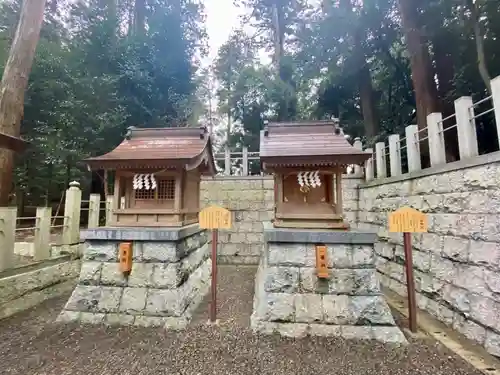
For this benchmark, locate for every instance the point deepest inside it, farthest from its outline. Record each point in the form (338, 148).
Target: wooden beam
(12, 143)
(338, 185)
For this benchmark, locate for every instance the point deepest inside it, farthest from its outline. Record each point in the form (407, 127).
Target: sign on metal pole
(407, 220)
(214, 218)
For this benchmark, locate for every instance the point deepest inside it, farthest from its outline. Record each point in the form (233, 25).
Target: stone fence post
(245, 161)
(227, 161)
(495, 99)
(109, 210)
(435, 137)
(358, 145)
(466, 127)
(94, 210)
(42, 234)
(412, 148)
(380, 160)
(395, 154)
(369, 171)
(72, 207)
(8, 219)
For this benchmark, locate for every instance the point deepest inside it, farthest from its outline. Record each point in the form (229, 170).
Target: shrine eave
(325, 161)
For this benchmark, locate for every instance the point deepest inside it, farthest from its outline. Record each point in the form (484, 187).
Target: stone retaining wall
(291, 300)
(169, 278)
(251, 200)
(28, 286)
(457, 263)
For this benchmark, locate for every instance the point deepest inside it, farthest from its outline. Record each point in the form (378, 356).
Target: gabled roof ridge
(134, 132)
(311, 140)
(158, 146)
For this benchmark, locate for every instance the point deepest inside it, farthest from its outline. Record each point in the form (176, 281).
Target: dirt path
(31, 344)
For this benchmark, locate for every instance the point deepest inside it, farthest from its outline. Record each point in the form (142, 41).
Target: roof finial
(130, 129)
(203, 131)
(266, 128)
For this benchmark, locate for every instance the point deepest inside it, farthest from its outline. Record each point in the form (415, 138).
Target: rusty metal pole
(213, 304)
(410, 285)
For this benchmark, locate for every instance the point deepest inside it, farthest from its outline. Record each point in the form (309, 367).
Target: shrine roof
(300, 143)
(158, 147)
(12, 143)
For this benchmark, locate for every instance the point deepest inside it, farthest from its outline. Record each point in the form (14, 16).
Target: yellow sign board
(407, 219)
(214, 217)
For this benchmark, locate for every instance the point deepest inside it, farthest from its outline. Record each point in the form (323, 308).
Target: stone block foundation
(291, 300)
(169, 278)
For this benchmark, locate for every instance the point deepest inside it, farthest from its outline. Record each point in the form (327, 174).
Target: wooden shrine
(157, 176)
(307, 160)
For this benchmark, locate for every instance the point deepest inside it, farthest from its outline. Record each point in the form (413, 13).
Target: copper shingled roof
(157, 146)
(295, 143)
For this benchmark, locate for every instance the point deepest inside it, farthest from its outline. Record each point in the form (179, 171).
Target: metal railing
(462, 125)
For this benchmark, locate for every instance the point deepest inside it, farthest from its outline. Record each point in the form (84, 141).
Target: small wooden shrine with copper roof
(157, 175)
(307, 160)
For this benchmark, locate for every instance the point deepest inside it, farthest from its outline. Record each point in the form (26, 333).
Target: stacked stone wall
(28, 286)
(169, 278)
(251, 201)
(457, 263)
(290, 299)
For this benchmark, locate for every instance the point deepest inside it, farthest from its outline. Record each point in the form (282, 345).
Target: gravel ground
(31, 344)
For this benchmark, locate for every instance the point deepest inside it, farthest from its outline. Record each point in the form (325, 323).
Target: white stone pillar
(495, 99)
(245, 161)
(8, 219)
(72, 207)
(412, 148)
(42, 233)
(227, 161)
(358, 145)
(94, 210)
(435, 136)
(369, 171)
(394, 155)
(109, 210)
(466, 127)
(380, 159)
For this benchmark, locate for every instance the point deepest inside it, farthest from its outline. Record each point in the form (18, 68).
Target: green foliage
(93, 77)
(98, 71)
(326, 48)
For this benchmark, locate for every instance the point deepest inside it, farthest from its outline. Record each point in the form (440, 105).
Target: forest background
(377, 65)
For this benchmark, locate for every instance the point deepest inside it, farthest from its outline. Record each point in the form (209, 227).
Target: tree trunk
(426, 95)
(445, 77)
(365, 86)
(14, 83)
(363, 77)
(139, 16)
(279, 44)
(229, 92)
(478, 37)
(367, 100)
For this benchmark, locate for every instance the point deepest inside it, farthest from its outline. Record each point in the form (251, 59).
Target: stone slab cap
(140, 233)
(316, 236)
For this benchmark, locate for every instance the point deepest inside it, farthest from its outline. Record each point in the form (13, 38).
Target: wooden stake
(213, 304)
(410, 285)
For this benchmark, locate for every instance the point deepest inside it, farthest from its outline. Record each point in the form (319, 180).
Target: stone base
(170, 276)
(290, 300)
